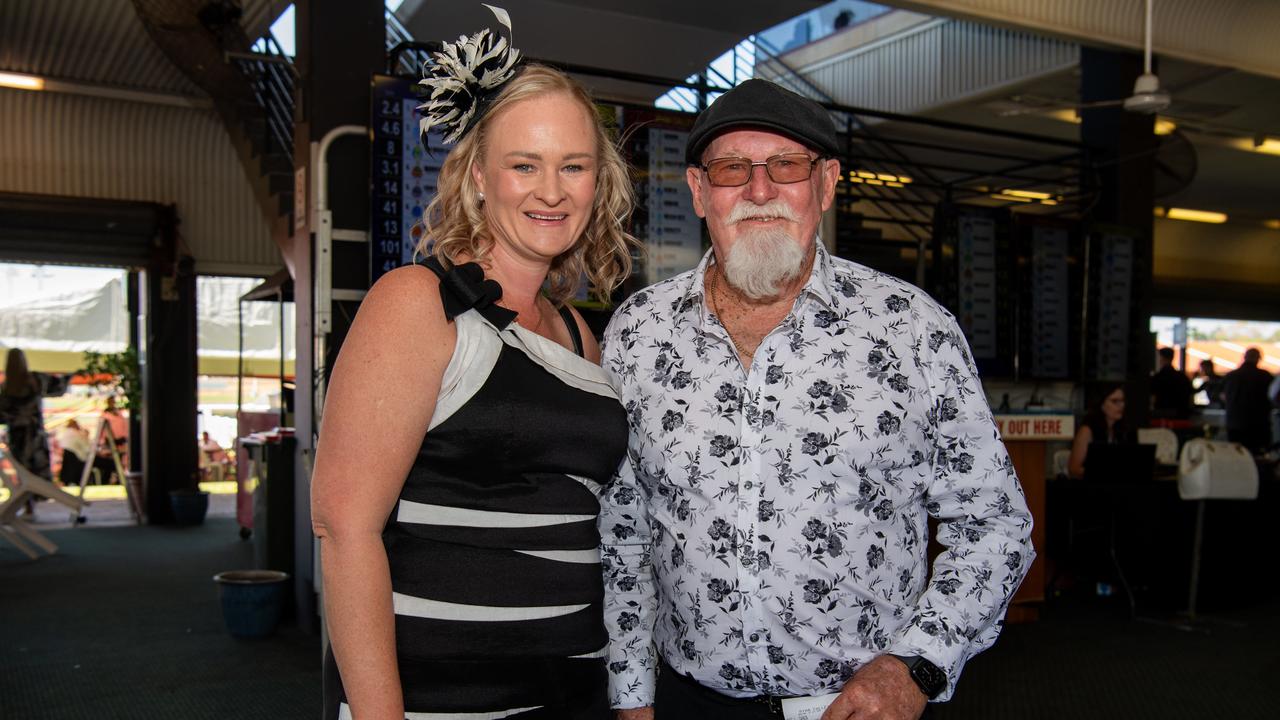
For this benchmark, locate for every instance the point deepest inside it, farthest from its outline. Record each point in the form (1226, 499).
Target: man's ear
(830, 176)
(693, 176)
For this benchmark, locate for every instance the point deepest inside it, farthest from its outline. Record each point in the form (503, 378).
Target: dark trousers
(679, 697)
(72, 467)
(1255, 439)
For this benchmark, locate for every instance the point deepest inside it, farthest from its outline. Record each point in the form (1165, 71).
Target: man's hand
(643, 713)
(881, 689)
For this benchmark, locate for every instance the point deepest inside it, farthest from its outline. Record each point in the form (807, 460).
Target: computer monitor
(1120, 463)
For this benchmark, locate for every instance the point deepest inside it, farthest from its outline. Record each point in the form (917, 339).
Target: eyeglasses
(784, 169)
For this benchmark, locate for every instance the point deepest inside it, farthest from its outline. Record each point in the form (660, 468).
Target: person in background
(1103, 424)
(213, 459)
(1208, 382)
(1171, 390)
(21, 397)
(119, 425)
(456, 506)
(796, 419)
(1244, 392)
(74, 442)
(77, 449)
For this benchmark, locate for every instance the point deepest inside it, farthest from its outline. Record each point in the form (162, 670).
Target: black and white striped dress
(493, 547)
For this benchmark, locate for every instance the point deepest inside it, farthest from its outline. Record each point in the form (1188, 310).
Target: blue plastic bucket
(189, 507)
(252, 600)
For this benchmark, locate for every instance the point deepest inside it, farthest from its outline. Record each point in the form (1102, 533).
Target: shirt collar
(819, 287)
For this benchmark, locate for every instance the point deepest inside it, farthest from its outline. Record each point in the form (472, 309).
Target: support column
(341, 44)
(168, 364)
(1122, 145)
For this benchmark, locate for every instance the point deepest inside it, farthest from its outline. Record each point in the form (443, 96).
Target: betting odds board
(403, 175)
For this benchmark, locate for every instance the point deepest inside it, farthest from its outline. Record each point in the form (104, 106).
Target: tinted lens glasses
(782, 169)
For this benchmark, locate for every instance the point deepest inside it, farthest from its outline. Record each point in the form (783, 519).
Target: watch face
(931, 679)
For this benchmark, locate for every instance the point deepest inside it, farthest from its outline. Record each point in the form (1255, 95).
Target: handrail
(272, 77)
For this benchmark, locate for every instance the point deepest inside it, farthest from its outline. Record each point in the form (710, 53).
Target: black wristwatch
(929, 677)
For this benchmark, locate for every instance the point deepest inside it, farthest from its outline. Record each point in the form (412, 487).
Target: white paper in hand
(807, 708)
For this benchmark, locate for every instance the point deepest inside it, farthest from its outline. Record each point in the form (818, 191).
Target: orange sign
(1036, 427)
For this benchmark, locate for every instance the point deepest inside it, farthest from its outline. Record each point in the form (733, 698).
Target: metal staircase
(267, 122)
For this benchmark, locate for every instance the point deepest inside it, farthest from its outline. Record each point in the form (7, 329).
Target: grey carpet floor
(124, 622)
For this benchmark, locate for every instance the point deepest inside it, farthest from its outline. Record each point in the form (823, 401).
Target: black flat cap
(762, 104)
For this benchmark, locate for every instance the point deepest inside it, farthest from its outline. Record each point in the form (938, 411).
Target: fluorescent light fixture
(1070, 115)
(874, 181)
(855, 178)
(1204, 216)
(1261, 143)
(1011, 198)
(1272, 224)
(1048, 201)
(1271, 146)
(882, 177)
(21, 82)
(894, 184)
(1165, 127)
(1031, 194)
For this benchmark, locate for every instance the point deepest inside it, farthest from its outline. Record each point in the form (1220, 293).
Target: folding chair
(23, 485)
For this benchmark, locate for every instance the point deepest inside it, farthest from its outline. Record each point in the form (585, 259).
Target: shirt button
(755, 637)
(747, 485)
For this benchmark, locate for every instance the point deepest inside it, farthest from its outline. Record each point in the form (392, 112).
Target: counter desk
(1026, 437)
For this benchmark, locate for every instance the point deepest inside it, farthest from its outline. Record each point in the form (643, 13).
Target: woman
(20, 409)
(1103, 424)
(469, 426)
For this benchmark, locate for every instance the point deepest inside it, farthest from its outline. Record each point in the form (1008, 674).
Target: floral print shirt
(767, 531)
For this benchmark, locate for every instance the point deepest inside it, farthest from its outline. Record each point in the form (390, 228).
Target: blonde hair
(455, 219)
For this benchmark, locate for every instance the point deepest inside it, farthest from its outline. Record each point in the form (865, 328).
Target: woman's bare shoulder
(402, 314)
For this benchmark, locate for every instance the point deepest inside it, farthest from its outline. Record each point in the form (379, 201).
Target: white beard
(762, 261)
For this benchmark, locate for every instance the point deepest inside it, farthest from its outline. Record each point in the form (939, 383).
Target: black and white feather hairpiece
(464, 78)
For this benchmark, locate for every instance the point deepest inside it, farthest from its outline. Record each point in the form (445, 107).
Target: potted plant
(117, 374)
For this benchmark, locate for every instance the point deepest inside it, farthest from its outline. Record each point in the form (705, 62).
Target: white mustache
(772, 209)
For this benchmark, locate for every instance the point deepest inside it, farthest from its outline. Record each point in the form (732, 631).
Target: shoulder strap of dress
(572, 325)
(432, 263)
(464, 287)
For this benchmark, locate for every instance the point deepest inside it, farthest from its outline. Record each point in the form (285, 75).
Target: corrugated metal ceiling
(101, 42)
(1239, 34)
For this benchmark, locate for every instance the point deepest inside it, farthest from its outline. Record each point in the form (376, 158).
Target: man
(1171, 390)
(1244, 392)
(794, 420)
(1209, 382)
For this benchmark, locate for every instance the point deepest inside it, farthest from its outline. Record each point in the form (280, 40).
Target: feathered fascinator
(464, 77)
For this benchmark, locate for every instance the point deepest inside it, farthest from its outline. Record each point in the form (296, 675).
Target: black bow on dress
(465, 287)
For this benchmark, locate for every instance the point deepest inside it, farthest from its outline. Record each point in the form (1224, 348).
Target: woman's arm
(1079, 451)
(381, 399)
(51, 385)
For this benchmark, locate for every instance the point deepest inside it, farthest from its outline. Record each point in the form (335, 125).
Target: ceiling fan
(1148, 97)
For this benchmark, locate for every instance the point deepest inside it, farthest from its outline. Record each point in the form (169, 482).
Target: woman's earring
(480, 197)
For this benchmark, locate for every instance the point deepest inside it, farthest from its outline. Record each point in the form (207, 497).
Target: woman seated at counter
(1104, 424)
